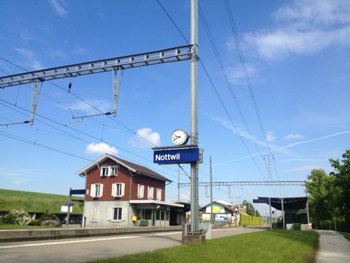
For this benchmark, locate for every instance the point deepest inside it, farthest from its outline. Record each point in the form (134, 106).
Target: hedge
(250, 220)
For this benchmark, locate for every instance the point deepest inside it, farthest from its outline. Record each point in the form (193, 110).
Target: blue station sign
(176, 156)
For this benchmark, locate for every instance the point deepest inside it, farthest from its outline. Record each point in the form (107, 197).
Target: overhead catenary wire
(79, 131)
(239, 49)
(212, 84)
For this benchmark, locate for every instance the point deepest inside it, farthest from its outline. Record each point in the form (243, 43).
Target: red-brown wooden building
(124, 194)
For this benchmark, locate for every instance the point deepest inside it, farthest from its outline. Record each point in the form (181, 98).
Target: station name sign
(177, 156)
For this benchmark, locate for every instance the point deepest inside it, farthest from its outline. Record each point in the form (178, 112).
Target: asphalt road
(87, 249)
(334, 248)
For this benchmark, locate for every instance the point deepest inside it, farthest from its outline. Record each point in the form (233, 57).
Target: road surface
(88, 249)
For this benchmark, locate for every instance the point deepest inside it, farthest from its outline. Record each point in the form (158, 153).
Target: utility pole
(194, 114)
(211, 195)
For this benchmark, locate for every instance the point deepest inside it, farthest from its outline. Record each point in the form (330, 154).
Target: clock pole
(194, 115)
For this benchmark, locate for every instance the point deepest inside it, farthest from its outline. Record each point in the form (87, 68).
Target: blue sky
(293, 106)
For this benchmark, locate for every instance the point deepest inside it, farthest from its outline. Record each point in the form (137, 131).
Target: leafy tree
(323, 195)
(250, 209)
(342, 181)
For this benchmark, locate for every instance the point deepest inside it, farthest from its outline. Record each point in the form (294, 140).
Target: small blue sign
(69, 204)
(176, 156)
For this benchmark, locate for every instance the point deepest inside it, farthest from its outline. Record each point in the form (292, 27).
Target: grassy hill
(36, 202)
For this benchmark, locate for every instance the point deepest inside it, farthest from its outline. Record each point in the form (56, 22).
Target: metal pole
(68, 213)
(270, 212)
(211, 195)
(283, 219)
(178, 182)
(194, 115)
(307, 207)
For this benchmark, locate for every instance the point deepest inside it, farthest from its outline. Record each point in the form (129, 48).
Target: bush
(16, 217)
(48, 216)
(8, 219)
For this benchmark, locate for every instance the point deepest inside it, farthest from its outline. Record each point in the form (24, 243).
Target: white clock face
(179, 137)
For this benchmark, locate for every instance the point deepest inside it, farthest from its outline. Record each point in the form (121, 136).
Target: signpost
(187, 155)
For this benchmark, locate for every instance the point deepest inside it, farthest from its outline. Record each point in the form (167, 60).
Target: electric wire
(222, 103)
(239, 49)
(81, 139)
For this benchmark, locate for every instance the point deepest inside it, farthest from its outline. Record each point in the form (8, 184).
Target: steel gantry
(242, 183)
(116, 64)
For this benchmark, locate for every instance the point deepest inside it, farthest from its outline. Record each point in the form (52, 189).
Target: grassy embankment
(36, 202)
(265, 246)
(346, 235)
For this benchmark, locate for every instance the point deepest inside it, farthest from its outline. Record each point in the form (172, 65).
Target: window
(116, 213)
(96, 190)
(140, 191)
(118, 189)
(150, 192)
(104, 171)
(113, 170)
(108, 171)
(95, 213)
(159, 194)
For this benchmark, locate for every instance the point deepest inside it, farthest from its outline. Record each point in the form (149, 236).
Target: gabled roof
(134, 168)
(225, 204)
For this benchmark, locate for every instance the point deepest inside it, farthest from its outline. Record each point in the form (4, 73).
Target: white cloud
(90, 106)
(30, 57)
(313, 140)
(236, 74)
(304, 27)
(18, 176)
(294, 136)
(57, 5)
(100, 148)
(80, 50)
(270, 136)
(145, 138)
(25, 52)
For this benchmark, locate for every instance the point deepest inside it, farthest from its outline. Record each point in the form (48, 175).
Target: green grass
(346, 235)
(266, 246)
(36, 202)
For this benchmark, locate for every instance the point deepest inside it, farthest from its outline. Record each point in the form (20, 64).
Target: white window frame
(118, 189)
(104, 171)
(140, 190)
(95, 212)
(109, 170)
(159, 194)
(111, 214)
(96, 190)
(150, 192)
(113, 170)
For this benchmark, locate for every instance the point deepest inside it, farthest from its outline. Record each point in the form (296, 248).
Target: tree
(323, 195)
(250, 209)
(320, 203)
(342, 181)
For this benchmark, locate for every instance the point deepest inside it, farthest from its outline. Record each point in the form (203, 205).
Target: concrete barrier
(14, 235)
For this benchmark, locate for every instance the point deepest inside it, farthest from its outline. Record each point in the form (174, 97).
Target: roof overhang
(289, 203)
(97, 162)
(100, 160)
(156, 202)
